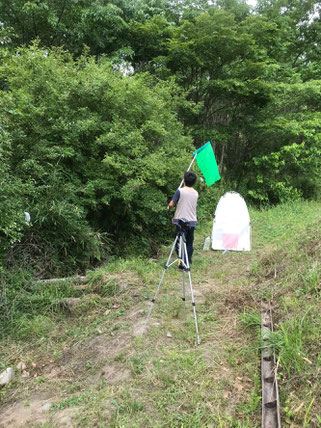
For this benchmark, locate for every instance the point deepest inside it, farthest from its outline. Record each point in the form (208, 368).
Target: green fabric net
(207, 163)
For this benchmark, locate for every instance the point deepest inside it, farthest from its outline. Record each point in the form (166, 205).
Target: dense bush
(96, 156)
(11, 198)
(286, 162)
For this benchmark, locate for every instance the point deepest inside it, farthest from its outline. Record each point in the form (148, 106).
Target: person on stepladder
(185, 220)
(186, 200)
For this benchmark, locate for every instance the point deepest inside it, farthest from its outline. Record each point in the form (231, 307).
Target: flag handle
(194, 157)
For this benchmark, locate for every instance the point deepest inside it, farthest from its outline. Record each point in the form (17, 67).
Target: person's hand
(170, 205)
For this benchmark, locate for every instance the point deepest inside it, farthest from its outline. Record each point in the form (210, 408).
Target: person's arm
(170, 205)
(174, 200)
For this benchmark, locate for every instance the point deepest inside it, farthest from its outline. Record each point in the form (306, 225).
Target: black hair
(190, 178)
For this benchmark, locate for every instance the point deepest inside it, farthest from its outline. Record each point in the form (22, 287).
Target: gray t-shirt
(186, 199)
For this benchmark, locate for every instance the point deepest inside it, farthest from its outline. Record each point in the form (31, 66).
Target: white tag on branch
(27, 217)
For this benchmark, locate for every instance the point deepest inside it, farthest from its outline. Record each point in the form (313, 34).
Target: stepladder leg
(160, 282)
(192, 294)
(184, 264)
(184, 294)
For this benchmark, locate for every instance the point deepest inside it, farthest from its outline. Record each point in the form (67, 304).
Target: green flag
(207, 163)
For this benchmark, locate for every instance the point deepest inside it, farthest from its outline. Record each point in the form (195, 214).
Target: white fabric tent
(231, 226)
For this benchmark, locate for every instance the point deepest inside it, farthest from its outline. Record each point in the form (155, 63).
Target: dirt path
(120, 359)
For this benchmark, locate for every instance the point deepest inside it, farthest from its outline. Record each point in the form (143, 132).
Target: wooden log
(74, 279)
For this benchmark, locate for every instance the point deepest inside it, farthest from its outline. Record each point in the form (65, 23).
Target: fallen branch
(78, 279)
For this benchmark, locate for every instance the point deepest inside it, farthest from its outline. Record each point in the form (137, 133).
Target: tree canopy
(103, 102)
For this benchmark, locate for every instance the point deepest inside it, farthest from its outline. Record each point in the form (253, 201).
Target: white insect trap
(231, 226)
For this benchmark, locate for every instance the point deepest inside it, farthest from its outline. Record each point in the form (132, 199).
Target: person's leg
(180, 266)
(177, 242)
(189, 243)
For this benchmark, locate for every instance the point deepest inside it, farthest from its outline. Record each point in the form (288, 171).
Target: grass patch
(157, 380)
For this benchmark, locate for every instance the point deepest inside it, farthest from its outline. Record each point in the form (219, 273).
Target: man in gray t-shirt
(186, 199)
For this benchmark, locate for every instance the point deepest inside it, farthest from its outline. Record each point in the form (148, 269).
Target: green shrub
(96, 157)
